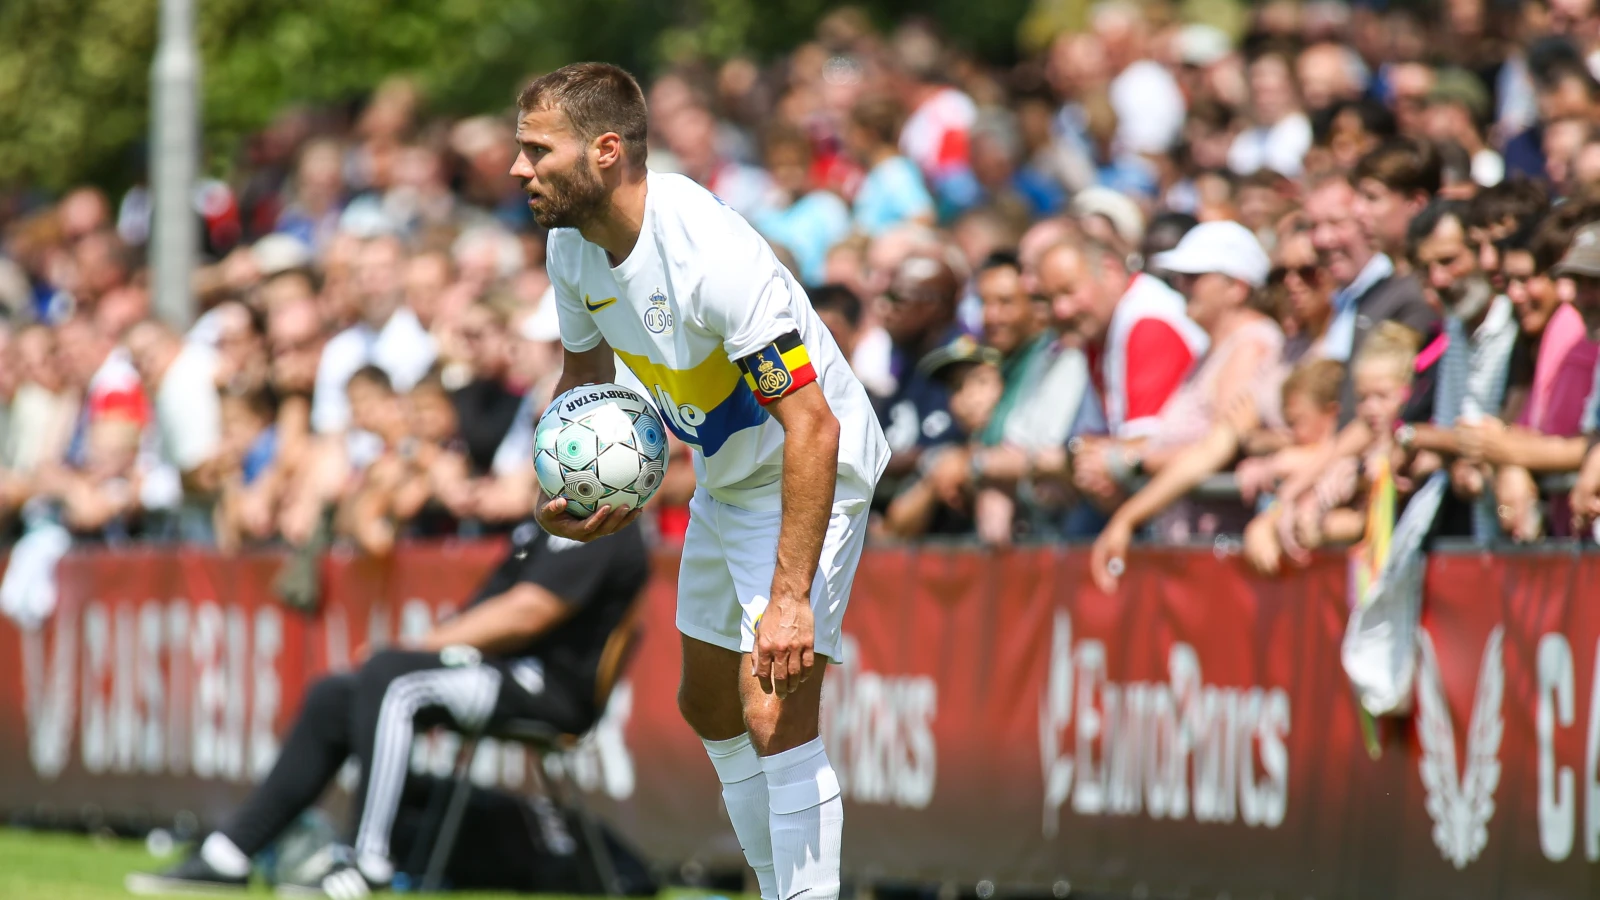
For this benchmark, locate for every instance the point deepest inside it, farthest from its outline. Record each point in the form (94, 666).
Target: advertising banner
(995, 717)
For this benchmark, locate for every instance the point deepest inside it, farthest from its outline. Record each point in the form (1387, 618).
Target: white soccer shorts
(725, 579)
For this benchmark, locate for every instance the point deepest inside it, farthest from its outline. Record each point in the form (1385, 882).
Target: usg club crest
(658, 318)
(771, 379)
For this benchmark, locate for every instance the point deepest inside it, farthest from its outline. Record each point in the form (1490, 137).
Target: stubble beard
(573, 202)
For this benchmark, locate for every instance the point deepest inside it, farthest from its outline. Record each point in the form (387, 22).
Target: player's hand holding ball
(600, 453)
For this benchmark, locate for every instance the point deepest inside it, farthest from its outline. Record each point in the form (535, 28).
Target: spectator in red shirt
(1139, 341)
(105, 371)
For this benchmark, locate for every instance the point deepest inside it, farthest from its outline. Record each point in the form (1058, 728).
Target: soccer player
(787, 449)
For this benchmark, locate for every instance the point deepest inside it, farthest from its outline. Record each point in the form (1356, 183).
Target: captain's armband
(778, 369)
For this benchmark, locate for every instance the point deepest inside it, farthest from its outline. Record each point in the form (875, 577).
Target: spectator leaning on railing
(1581, 265)
(920, 318)
(939, 499)
(1046, 385)
(1221, 267)
(180, 376)
(1140, 344)
(1541, 434)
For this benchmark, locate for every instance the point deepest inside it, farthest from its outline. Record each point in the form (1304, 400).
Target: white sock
(224, 855)
(744, 790)
(376, 869)
(807, 821)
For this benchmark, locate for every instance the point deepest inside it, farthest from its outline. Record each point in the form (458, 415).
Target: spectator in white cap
(278, 253)
(1220, 269)
(1109, 217)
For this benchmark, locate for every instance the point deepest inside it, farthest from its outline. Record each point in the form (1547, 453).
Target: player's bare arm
(597, 365)
(784, 649)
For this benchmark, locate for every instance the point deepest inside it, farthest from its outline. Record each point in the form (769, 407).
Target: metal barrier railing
(1225, 487)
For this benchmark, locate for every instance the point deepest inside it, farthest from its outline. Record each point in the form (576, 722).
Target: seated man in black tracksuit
(528, 646)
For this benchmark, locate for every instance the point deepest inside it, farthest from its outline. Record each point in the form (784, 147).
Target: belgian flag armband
(778, 369)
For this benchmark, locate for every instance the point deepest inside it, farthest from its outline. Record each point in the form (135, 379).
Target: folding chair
(542, 739)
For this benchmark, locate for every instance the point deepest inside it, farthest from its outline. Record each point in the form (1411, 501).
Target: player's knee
(761, 720)
(330, 698)
(695, 708)
(710, 716)
(385, 666)
(776, 726)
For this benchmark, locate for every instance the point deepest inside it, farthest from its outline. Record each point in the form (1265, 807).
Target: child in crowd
(244, 510)
(1309, 406)
(1358, 490)
(102, 495)
(379, 436)
(422, 455)
(973, 373)
(250, 432)
(1311, 412)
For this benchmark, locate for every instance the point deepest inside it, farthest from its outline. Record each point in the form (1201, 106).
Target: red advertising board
(996, 717)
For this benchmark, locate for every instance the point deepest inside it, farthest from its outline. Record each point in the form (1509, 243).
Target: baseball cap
(1123, 213)
(963, 349)
(1583, 257)
(1201, 45)
(1226, 248)
(1458, 86)
(280, 252)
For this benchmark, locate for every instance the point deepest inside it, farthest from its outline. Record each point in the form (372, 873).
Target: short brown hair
(257, 401)
(1519, 199)
(1404, 165)
(1318, 381)
(597, 98)
(785, 135)
(881, 116)
(1549, 239)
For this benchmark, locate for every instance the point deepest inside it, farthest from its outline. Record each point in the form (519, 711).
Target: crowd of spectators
(1330, 249)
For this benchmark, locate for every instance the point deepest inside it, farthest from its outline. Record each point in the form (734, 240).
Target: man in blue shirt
(921, 318)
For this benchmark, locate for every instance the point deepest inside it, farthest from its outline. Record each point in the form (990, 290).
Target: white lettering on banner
(1461, 807)
(1133, 743)
(155, 688)
(95, 746)
(1055, 714)
(1591, 779)
(1558, 793)
(879, 733)
(264, 691)
(153, 721)
(49, 689)
(1557, 819)
(180, 687)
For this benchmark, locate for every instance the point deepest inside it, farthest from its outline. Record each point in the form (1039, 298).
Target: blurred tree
(75, 74)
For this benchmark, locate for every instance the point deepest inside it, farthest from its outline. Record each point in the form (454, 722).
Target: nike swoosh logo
(798, 893)
(596, 307)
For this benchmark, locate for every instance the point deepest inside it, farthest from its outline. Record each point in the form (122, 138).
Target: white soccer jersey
(700, 311)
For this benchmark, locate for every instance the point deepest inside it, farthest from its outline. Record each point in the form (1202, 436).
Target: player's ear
(608, 150)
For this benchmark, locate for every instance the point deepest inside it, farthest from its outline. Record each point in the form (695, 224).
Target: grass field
(48, 866)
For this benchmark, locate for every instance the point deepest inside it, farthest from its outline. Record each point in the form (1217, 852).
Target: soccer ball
(600, 444)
